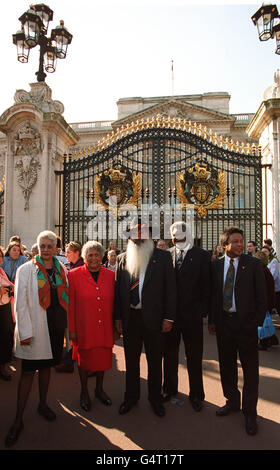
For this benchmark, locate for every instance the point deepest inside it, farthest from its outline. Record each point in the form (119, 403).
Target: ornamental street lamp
(267, 20)
(34, 29)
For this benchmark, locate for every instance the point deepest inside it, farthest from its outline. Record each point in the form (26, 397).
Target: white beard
(138, 256)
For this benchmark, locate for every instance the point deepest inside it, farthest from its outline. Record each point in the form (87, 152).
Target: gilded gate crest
(119, 182)
(203, 186)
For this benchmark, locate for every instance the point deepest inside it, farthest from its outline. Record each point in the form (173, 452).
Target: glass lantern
(61, 37)
(264, 19)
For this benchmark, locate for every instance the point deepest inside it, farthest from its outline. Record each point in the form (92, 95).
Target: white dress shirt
(226, 266)
(185, 250)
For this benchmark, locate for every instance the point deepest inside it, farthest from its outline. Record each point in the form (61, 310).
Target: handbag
(267, 330)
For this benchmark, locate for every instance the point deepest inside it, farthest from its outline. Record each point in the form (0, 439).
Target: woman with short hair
(41, 304)
(273, 266)
(7, 322)
(13, 259)
(90, 320)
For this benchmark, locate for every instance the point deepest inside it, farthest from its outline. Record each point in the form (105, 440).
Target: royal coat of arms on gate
(120, 183)
(203, 186)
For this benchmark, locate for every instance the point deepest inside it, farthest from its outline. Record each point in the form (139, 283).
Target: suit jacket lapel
(126, 276)
(221, 264)
(241, 267)
(149, 269)
(173, 255)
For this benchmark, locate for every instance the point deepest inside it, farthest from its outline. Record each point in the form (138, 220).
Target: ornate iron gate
(163, 161)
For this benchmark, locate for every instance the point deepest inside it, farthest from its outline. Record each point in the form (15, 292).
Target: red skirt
(95, 359)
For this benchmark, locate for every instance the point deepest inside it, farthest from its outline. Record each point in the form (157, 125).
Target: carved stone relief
(174, 112)
(40, 96)
(26, 150)
(2, 168)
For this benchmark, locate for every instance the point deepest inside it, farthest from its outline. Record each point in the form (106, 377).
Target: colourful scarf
(44, 289)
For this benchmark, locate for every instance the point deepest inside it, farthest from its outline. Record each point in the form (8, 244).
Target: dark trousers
(134, 337)
(192, 333)
(277, 295)
(233, 340)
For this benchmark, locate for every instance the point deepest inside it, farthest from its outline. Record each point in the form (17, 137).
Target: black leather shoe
(7, 377)
(158, 409)
(196, 404)
(47, 413)
(85, 402)
(104, 399)
(227, 409)
(165, 397)
(13, 435)
(251, 425)
(125, 407)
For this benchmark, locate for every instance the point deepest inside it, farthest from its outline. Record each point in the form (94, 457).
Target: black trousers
(192, 333)
(134, 337)
(234, 340)
(7, 327)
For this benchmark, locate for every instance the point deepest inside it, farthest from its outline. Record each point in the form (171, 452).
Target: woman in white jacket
(41, 304)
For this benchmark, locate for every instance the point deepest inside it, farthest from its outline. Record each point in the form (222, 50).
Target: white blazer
(31, 318)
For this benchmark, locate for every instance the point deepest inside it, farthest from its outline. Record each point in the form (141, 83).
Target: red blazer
(90, 312)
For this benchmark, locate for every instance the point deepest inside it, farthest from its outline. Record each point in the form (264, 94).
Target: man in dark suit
(238, 307)
(145, 306)
(192, 268)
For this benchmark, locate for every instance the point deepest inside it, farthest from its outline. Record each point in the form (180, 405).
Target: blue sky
(124, 48)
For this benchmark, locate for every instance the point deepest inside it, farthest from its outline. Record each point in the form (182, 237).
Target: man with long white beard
(145, 309)
(192, 266)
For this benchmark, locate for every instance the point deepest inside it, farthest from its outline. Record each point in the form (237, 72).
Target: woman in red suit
(90, 321)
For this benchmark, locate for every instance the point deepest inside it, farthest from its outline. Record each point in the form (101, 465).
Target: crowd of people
(150, 294)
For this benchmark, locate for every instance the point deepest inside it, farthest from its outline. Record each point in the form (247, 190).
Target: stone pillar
(37, 138)
(265, 126)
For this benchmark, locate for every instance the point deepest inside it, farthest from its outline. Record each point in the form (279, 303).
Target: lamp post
(34, 29)
(267, 20)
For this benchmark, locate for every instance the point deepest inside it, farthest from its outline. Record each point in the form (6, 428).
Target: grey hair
(180, 224)
(92, 244)
(47, 234)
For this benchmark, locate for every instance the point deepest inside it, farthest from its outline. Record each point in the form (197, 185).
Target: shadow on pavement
(181, 429)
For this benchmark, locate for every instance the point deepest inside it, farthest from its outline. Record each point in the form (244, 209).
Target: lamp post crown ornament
(34, 29)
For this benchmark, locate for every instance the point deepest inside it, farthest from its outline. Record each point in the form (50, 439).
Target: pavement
(103, 429)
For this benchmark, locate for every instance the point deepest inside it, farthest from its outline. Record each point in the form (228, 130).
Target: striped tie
(228, 288)
(134, 291)
(180, 259)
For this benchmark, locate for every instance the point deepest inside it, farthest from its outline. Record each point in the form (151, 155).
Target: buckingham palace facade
(184, 151)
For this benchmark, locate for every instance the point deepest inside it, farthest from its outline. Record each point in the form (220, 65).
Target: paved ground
(181, 429)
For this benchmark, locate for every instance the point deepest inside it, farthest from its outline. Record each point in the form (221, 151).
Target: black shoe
(85, 402)
(227, 409)
(13, 435)
(126, 407)
(7, 377)
(158, 409)
(47, 413)
(165, 396)
(274, 341)
(104, 399)
(251, 425)
(196, 404)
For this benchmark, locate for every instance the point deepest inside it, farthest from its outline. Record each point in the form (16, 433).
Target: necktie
(179, 259)
(228, 288)
(134, 291)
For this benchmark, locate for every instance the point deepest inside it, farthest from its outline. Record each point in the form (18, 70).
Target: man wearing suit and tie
(192, 268)
(145, 307)
(238, 307)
